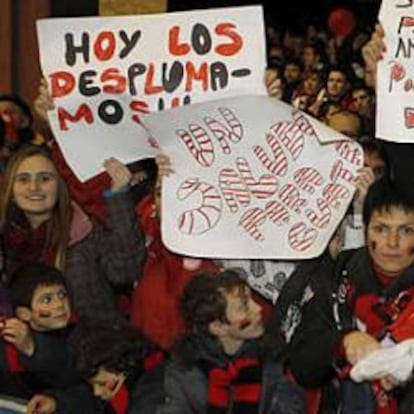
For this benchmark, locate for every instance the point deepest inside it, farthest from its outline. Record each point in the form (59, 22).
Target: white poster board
(395, 78)
(105, 73)
(253, 178)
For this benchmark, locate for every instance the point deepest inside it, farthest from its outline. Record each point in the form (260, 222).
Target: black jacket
(314, 311)
(50, 370)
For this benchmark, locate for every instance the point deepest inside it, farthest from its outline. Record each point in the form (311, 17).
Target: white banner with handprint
(254, 178)
(395, 78)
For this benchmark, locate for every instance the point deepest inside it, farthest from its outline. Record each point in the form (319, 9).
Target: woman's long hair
(58, 227)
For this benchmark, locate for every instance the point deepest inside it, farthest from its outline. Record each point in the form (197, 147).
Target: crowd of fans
(98, 316)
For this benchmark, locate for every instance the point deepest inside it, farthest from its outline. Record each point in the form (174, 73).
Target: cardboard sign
(395, 78)
(105, 73)
(253, 178)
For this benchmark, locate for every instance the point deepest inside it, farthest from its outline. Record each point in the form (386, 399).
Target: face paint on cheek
(244, 323)
(111, 384)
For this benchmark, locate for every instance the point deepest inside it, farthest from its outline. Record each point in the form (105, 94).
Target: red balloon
(341, 22)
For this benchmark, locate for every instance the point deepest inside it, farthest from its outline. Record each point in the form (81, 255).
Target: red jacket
(155, 299)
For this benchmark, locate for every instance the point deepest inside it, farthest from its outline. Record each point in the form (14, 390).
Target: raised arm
(43, 101)
(372, 52)
(123, 241)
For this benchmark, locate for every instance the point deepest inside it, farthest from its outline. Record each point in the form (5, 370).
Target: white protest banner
(395, 78)
(105, 73)
(253, 179)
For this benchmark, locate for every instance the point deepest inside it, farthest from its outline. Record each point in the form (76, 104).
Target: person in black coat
(331, 314)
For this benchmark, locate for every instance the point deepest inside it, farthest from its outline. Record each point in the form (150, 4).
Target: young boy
(219, 366)
(123, 368)
(34, 355)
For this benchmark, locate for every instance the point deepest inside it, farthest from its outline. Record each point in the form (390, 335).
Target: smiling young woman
(40, 223)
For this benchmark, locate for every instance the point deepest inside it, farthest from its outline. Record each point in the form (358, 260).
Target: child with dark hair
(34, 354)
(123, 368)
(35, 285)
(219, 366)
(331, 315)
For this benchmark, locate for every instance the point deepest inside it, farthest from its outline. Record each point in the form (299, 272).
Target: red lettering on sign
(228, 49)
(61, 83)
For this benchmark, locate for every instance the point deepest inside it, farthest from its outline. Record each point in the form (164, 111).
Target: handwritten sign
(105, 73)
(254, 178)
(395, 83)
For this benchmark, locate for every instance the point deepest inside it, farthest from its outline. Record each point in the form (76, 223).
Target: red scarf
(386, 402)
(28, 245)
(379, 316)
(12, 357)
(238, 385)
(120, 401)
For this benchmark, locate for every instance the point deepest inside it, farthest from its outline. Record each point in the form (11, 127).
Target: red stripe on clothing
(12, 357)
(120, 400)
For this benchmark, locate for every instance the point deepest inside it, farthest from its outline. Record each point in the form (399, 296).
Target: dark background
(290, 13)
(282, 13)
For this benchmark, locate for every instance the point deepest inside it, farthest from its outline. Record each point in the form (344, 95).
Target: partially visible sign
(395, 79)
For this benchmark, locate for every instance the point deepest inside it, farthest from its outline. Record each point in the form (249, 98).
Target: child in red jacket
(154, 301)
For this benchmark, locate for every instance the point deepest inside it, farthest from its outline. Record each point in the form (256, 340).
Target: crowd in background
(98, 316)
